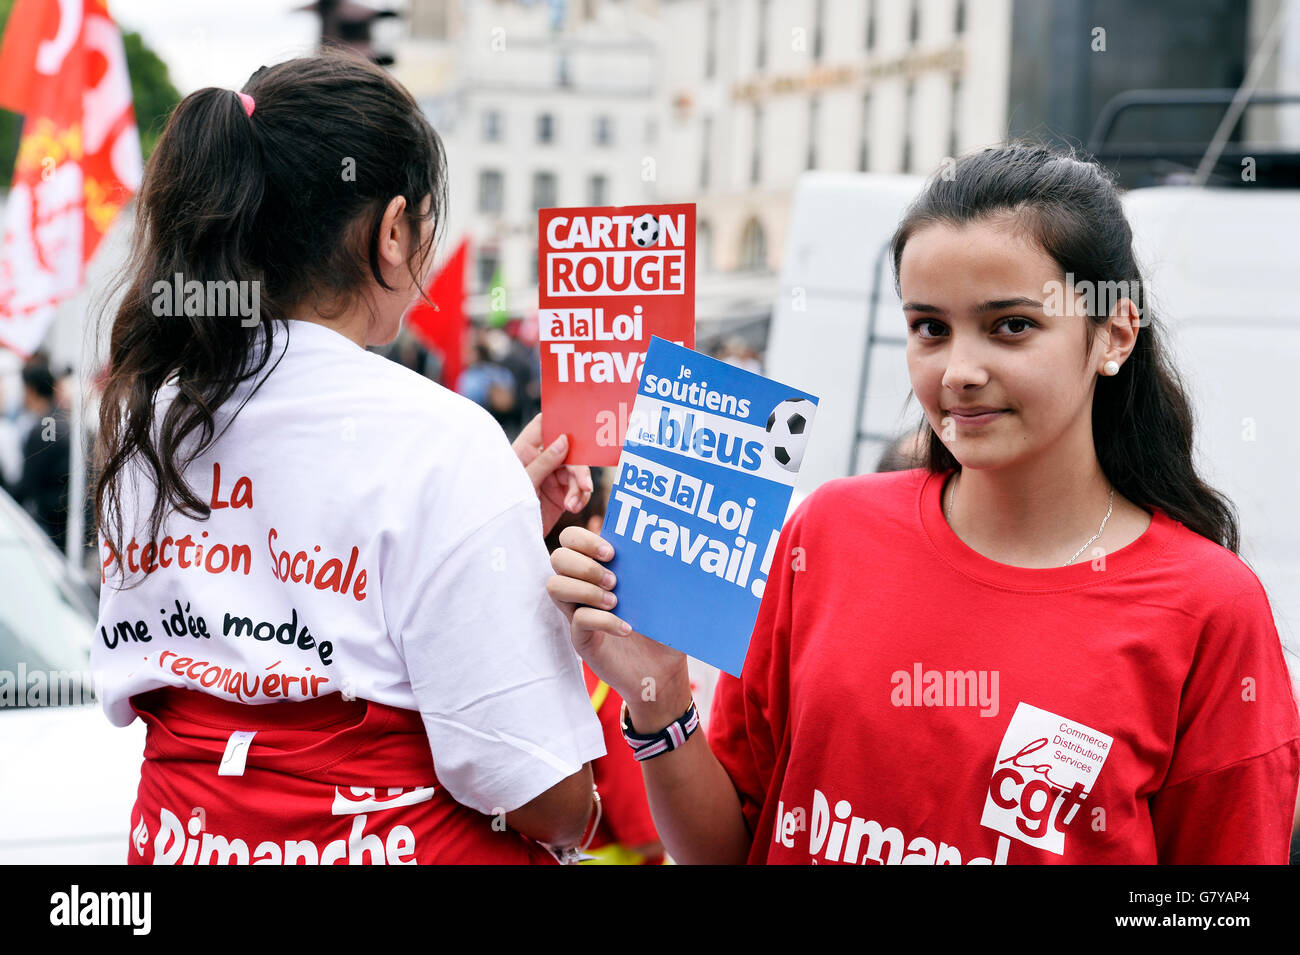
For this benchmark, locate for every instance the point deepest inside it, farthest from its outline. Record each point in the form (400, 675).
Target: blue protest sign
(701, 491)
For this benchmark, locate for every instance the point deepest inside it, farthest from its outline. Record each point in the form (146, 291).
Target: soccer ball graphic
(787, 428)
(645, 230)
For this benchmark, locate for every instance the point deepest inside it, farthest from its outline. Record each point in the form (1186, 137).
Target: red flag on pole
(63, 66)
(443, 327)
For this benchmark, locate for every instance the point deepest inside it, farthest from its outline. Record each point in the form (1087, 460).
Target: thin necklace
(953, 496)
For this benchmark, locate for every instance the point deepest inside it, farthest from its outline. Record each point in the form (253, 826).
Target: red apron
(323, 781)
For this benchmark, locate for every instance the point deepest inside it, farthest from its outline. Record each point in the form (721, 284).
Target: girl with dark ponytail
(322, 573)
(1040, 647)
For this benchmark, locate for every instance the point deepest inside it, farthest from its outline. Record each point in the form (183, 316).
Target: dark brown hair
(1141, 420)
(292, 198)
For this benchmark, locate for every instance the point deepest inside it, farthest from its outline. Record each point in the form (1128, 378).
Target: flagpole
(77, 453)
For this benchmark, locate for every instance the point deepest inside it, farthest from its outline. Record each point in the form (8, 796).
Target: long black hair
(1141, 419)
(290, 197)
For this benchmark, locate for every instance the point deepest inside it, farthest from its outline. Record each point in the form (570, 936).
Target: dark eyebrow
(994, 305)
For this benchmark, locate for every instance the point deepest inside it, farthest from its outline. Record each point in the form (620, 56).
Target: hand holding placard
(560, 487)
(650, 676)
(699, 498)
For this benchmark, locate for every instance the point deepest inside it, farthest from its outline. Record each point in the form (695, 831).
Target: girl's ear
(390, 232)
(1121, 331)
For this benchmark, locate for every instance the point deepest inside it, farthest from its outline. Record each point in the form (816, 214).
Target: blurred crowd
(737, 351)
(502, 369)
(36, 443)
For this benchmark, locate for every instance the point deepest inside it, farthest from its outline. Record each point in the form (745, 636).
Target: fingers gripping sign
(559, 487)
(583, 588)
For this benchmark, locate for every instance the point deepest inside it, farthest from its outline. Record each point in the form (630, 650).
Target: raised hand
(652, 677)
(560, 487)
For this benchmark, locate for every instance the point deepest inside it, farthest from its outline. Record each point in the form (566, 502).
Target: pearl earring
(1110, 368)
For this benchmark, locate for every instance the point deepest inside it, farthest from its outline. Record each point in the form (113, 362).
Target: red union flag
(608, 279)
(443, 325)
(63, 66)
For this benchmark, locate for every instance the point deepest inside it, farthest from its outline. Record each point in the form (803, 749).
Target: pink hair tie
(247, 101)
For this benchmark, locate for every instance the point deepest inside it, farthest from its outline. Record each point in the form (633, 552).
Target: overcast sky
(206, 43)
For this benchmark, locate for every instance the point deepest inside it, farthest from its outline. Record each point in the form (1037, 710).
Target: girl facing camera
(1041, 646)
(324, 574)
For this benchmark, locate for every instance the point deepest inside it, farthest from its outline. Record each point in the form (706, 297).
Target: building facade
(725, 103)
(538, 105)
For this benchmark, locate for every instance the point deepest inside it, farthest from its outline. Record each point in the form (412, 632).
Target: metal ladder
(861, 434)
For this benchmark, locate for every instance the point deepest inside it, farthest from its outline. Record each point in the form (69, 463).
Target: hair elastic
(247, 101)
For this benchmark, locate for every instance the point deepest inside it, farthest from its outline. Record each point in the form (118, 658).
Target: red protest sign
(609, 278)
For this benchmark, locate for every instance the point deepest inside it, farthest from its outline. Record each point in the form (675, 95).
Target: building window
(864, 154)
(811, 158)
(492, 131)
(753, 247)
(711, 42)
(603, 131)
(908, 97)
(756, 155)
(703, 247)
(955, 116)
(546, 128)
(819, 18)
(706, 140)
(597, 190)
(960, 25)
(760, 56)
(914, 23)
(489, 260)
(871, 25)
(491, 189)
(543, 190)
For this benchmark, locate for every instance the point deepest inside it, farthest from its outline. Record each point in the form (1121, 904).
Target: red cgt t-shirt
(907, 700)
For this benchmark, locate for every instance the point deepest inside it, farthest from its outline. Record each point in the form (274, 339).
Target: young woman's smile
(975, 417)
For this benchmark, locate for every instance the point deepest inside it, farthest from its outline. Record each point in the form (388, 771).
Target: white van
(1218, 264)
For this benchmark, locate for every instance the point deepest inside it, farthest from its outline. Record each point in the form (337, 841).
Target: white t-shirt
(373, 534)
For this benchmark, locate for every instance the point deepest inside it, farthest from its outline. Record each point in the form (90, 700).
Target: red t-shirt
(905, 699)
(324, 781)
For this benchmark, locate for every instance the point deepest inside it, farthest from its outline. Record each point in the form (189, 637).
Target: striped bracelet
(675, 734)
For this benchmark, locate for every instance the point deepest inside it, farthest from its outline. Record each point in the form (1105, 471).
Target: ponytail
(259, 207)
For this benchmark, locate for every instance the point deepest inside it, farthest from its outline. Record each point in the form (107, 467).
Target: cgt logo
(1045, 768)
(1009, 790)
